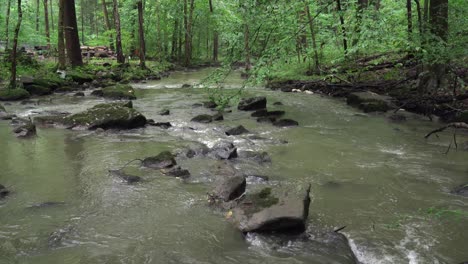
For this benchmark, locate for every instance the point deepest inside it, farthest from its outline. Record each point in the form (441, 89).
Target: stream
(382, 180)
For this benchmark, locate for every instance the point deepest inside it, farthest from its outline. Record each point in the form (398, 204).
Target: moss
(49, 83)
(38, 89)
(80, 77)
(119, 91)
(65, 89)
(13, 94)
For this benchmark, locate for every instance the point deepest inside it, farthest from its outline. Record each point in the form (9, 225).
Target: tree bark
(71, 34)
(438, 11)
(188, 17)
(312, 34)
(410, 19)
(52, 15)
(15, 47)
(38, 4)
(61, 42)
(141, 34)
(7, 24)
(108, 24)
(215, 36)
(82, 21)
(175, 37)
(248, 66)
(46, 19)
(343, 29)
(118, 41)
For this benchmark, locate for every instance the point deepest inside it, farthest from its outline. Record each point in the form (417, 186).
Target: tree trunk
(188, 17)
(82, 21)
(248, 66)
(312, 34)
(141, 34)
(438, 11)
(118, 41)
(361, 6)
(38, 4)
(215, 36)
(410, 19)
(15, 47)
(108, 24)
(7, 25)
(159, 39)
(46, 19)
(71, 34)
(175, 35)
(343, 29)
(52, 15)
(61, 42)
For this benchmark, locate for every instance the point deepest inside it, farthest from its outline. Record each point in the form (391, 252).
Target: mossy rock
(2, 108)
(80, 77)
(163, 160)
(105, 116)
(38, 89)
(461, 117)
(13, 94)
(120, 92)
(48, 83)
(65, 89)
(369, 102)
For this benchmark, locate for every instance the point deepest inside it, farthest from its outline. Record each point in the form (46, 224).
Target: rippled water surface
(383, 180)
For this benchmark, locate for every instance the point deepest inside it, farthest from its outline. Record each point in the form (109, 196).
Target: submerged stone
(253, 103)
(119, 92)
(202, 119)
(260, 157)
(177, 172)
(3, 191)
(239, 130)
(25, 131)
(163, 160)
(285, 123)
(164, 112)
(461, 190)
(369, 101)
(130, 179)
(224, 150)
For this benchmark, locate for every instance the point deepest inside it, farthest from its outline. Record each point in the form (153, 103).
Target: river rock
(210, 104)
(251, 104)
(164, 112)
(119, 92)
(25, 131)
(255, 179)
(13, 94)
(461, 190)
(46, 205)
(199, 150)
(163, 160)
(369, 101)
(266, 119)
(259, 157)
(97, 92)
(202, 119)
(238, 130)
(263, 212)
(266, 113)
(105, 116)
(3, 191)
(130, 179)
(278, 103)
(229, 188)
(285, 123)
(79, 94)
(177, 172)
(218, 117)
(224, 150)
(163, 125)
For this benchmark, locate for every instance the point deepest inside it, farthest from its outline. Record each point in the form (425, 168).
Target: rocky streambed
(278, 178)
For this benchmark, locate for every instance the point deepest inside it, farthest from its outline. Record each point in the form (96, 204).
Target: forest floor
(399, 79)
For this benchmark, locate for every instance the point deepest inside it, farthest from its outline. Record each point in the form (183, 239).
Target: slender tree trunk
(15, 47)
(46, 18)
(312, 35)
(175, 34)
(141, 34)
(108, 24)
(71, 34)
(215, 36)
(410, 19)
(188, 17)
(343, 29)
(361, 6)
(38, 4)
(52, 16)
(118, 41)
(248, 66)
(7, 24)
(82, 22)
(159, 39)
(61, 42)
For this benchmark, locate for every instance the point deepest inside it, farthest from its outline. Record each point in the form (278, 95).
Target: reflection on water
(377, 178)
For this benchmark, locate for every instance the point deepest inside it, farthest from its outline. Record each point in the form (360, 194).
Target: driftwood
(454, 125)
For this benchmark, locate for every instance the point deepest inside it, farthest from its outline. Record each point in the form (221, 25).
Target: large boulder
(253, 103)
(263, 212)
(163, 160)
(80, 77)
(370, 102)
(13, 94)
(105, 116)
(38, 90)
(3, 191)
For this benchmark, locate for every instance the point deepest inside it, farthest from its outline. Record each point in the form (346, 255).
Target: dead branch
(453, 125)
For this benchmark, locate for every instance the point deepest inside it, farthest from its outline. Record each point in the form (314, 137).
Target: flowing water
(383, 180)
